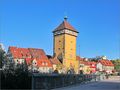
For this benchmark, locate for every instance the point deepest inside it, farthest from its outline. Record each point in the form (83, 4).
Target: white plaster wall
(20, 61)
(99, 66)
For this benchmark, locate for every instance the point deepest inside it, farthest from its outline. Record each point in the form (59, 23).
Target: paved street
(111, 84)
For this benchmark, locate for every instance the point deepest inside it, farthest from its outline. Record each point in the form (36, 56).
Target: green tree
(117, 64)
(2, 57)
(16, 76)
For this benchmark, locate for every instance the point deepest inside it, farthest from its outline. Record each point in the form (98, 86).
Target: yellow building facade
(65, 45)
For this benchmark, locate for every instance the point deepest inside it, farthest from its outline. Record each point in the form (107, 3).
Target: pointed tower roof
(65, 25)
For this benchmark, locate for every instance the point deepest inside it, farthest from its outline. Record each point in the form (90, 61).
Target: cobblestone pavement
(113, 83)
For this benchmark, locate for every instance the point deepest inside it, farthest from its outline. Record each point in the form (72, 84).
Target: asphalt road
(112, 83)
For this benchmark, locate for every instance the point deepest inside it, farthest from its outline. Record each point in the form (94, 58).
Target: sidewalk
(112, 83)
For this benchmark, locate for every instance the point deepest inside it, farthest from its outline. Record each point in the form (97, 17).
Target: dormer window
(46, 63)
(43, 63)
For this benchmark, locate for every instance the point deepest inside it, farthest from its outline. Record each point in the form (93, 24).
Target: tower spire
(65, 18)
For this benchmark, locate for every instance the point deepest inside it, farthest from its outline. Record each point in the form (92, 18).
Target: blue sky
(29, 23)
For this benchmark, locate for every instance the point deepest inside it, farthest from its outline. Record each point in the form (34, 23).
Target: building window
(71, 41)
(58, 48)
(59, 41)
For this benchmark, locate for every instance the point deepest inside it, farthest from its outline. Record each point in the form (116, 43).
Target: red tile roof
(43, 63)
(37, 53)
(55, 61)
(65, 25)
(30, 54)
(28, 61)
(93, 64)
(106, 62)
(19, 52)
(88, 63)
(80, 59)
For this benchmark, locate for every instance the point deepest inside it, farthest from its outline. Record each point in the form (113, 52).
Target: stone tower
(65, 45)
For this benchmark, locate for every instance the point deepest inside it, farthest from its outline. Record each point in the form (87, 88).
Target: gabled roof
(65, 25)
(106, 62)
(55, 61)
(80, 59)
(27, 53)
(39, 62)
(37, 53)
(19, 52)
(92, 64)
(28, 61)
(43, 63)
(30, 54)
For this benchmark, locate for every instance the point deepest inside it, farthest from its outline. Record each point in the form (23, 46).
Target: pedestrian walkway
(113, 83)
